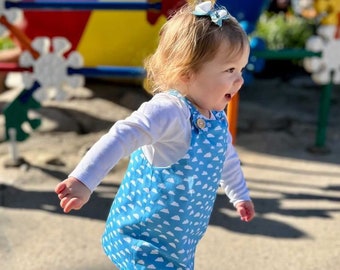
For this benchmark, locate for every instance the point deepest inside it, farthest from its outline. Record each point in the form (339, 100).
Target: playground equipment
(110, 33)
(326, 68)
(321, 58)
(50, 61)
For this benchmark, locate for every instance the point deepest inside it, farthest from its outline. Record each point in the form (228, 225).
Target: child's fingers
(242, 212)
(245, 218)
(60, 187)
(63, 202)
(72, 204)
(246, 211)
(63, 193)
(251, 214)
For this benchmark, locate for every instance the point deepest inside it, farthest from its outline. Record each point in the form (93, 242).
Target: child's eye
(230, 70)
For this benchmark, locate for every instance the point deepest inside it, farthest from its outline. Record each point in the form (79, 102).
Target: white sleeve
(233, 181)
(157, 120)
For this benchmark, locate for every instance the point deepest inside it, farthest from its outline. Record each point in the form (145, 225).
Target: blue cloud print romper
(159, 214)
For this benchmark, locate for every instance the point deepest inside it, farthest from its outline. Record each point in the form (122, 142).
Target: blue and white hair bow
(217, 15)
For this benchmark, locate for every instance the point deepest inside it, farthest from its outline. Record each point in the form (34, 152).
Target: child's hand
(246, 210)
(73, 194)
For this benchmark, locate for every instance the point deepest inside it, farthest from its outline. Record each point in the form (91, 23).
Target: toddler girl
(179, 143)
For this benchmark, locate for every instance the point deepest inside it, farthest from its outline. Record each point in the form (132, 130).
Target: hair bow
(217, 15)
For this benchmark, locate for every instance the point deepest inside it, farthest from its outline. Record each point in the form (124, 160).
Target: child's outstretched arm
(159, 119)
(72, 194)
(246, 210)
(235, 186)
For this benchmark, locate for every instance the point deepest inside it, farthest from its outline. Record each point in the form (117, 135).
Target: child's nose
(239, 80)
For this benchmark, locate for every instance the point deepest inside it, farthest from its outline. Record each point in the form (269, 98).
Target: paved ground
(296, 193)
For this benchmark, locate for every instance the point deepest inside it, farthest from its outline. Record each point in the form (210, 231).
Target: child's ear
(186, 77)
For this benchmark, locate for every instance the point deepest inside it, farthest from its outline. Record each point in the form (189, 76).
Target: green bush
(283, 31)
(6, 43)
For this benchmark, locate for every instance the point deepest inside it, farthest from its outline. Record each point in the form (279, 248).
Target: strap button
(200, 123)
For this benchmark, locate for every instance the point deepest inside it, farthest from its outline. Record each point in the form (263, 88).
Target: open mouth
(228, 96)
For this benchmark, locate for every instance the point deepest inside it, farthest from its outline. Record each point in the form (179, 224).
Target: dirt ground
(296, 192)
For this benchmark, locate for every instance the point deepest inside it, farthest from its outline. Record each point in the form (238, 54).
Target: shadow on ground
(13, 197)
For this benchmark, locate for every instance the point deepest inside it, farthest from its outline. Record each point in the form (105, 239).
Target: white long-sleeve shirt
(162, 128)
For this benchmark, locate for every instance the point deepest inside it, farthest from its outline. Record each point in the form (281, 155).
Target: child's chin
(222, 108)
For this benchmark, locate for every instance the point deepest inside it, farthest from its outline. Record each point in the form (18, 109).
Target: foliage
(283, 31)
(6, 43)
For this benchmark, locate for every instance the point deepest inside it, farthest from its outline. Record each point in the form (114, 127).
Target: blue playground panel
(247, 12)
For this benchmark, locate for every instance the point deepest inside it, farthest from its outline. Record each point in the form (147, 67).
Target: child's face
(217, 81)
